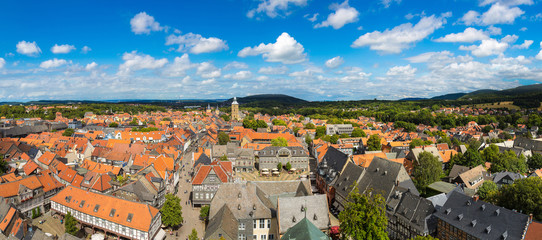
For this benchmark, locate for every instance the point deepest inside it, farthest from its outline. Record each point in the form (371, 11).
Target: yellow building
(235, 109)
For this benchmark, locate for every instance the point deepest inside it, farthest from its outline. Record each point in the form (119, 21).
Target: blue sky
(315, 50)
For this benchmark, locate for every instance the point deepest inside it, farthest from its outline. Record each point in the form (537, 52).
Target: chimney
(475, 198)
(530, 218)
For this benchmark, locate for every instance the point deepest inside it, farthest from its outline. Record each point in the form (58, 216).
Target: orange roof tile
(142, 214)
(46, 158)
(7, 219)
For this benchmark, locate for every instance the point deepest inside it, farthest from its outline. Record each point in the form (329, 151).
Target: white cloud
(313, 18)
(402, 71)
(235, 64)
(501, 14)
(142, 23)
(262, 78)
(85, 49)
(343, 14)
(469, 35)
(2, 63)
(273, 70)
(334, 62)
(494, 30)
(285, 50)
(53, 63)
(387, 3)
(523, 29)
(241, 75)
(526, 44)
(308, 72)
(208, 70)
(179, 66)
(196, 44)
(134, 62)
(497, 14)
(355, 74)
(536, 17)
(506, 2)
(426, 57)
(471, 17)
(539, 55)
(28, 48)
(400, 37)
(486, 48)
(91, 66)
(65, 48)
(208, 81)
(510, 39)
(273, 8)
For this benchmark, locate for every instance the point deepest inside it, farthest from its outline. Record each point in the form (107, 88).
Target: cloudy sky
(315, 50)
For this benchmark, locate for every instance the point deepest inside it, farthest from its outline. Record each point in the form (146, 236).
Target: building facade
(332, 129)
(235, 109)
(296, 156)
(113, 215)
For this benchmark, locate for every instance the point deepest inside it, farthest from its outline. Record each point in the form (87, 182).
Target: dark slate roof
(224, 220)
(413, 209)
(500, 175)
(332, 164)
(456, 170)
(203, 160)
(529, 144)
(462, 212)
(272, 151)
(382, 176)
(350, 176)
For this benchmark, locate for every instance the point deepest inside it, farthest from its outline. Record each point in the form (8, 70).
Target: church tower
(235, 109)
(208, 108)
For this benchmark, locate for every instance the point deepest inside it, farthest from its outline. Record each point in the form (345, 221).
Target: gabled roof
(292, 209)
(102, 206)
(46, 158)
(304, 229)
(30, 167)
(223, 220)
(477, 217)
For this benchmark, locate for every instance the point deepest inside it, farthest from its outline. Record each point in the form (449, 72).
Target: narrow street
(190, 214)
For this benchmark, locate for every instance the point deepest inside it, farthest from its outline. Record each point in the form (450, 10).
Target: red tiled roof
(29, 167)
(142, 214)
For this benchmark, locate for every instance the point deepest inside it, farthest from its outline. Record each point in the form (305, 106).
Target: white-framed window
(255, 223)
(241, 226)
(242, 237)
(263, 237)
(262, 223)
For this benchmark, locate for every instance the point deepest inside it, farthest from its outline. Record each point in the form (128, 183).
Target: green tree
(134, 122)
(279, 142)
(535, 161)
(487, 129)
(70, 224)
(320, 131)
(364, 216)
(310, 126)
(487, 190)
(308, 139)
(288, 166)
(166, 119)
(193, 235)
(296, 130)
(224, 158)
(225, 117)
(204, 212)
(113, 124)
(279, 166)
(358, 132)
(491, 153)
(122, 180)
(427, 171)
(374, 144)
(171, 211)
(3, 165)
(68, 132)
(524, 195)
(418, 142)
(223, 138)
(278, 122)
(344, 135)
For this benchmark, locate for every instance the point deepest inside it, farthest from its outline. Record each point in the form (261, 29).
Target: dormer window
(96, 208)
(460, 216)
(129, 218)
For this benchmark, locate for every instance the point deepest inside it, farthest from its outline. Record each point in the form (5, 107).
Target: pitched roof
(477, 217)
(103, 206)
(304, 229)
(314, 207)
(12, 188)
